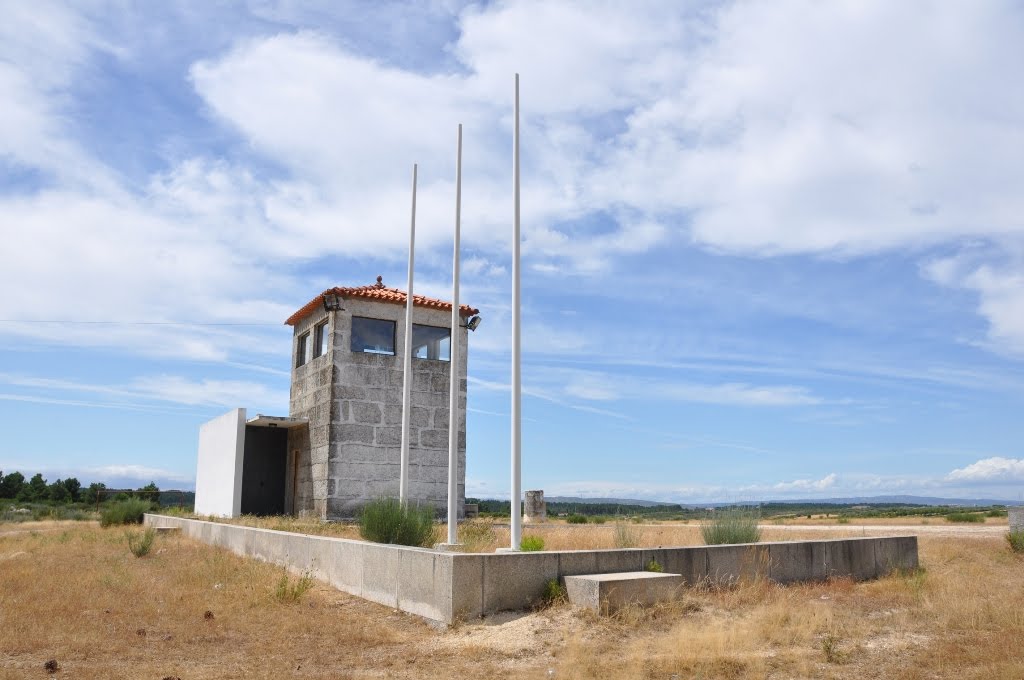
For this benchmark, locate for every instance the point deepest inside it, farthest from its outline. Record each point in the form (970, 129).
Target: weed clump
(386, 520)
(1016, 541)
(531, 543)
(477, 535)
(968, 517)
(731, 525)
(626, 536)
(654, 566)
(289, 591)
(128, 511)
(554, 593)
(140, 544)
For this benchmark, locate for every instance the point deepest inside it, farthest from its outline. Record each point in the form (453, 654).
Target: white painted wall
(219, 468)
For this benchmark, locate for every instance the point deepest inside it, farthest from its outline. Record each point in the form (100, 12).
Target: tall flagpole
(454, 365)
(516, 518)
(403, 471)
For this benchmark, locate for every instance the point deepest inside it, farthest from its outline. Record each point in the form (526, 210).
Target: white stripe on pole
(454, 365)
(516, 518)
(403, 470)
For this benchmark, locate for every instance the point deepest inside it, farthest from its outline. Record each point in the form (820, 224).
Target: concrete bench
(607, 593)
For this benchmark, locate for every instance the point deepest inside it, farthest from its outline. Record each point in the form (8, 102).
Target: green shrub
(385, 520)
(843, 520)
(532, 543)
(600, 519)
(554, 592)
(1016, 541)
(626, 536)
(128, 511)
(996, 513)
(288, 591)
(731, 525)
(576, 519)
(140, 543)
(969, 517)
(654, 566)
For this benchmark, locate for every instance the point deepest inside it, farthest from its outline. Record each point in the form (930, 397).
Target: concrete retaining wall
(445, 586)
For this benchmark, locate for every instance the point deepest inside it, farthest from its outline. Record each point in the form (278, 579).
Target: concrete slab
(730, 564)
(421, 584)
(380, 574)
(796, 561)
(690, 563)
(851, 558)
(895, 553)
(467, 587)
(607, 593)
(514, 580)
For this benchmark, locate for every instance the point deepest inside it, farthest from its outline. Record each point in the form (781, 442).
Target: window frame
(302, 350)
(320, 338)
(394, 336)
(427, 358)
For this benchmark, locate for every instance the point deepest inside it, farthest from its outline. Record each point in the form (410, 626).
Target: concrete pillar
(1016, 518)
(534, 507)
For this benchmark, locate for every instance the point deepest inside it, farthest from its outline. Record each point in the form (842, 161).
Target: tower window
(302, 350)
(431, 342)
(320, 339)
(375, 336)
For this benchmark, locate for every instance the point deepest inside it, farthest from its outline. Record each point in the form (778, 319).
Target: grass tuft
(1016, 541)
(386, 521)
(554, 593)
(731, 525)
(128, 511)
(532, 543)
(626, 536)
(288, 591)
(140, 543)
(654, 566)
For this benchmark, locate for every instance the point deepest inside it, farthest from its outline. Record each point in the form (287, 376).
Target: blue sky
(770, 250)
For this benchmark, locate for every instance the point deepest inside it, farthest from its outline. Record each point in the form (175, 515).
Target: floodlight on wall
(331, 302)
(473, 323)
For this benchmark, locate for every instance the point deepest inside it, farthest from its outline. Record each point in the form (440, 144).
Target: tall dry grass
(74, 593)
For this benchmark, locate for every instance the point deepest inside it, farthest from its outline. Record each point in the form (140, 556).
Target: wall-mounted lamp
(331, 302)
(473, 323)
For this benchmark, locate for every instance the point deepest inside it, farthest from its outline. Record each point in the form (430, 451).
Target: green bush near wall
(385, 520)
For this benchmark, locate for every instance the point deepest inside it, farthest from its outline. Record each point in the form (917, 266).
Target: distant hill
(604, 501)
(853, 500)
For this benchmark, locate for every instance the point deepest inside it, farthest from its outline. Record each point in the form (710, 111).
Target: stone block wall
(353, 401)
(308, 447)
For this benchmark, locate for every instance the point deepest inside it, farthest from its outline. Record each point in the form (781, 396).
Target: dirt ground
(72, 593)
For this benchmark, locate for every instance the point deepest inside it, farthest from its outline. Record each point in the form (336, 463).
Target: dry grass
(74, 593)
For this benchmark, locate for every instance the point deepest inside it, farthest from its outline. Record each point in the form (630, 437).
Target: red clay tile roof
(379, 292)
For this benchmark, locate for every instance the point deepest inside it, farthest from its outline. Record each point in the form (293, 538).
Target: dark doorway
(263, 470)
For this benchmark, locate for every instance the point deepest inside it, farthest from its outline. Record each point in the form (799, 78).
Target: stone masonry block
(389, 436)
(352, 433)
(440, 418)
(434, 439)
(349, 392)
(363, 412)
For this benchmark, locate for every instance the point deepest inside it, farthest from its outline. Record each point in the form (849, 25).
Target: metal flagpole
(454, 365)
(403, 473)
(516, 518)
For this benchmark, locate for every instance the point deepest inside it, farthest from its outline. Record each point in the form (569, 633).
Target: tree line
(13, 486)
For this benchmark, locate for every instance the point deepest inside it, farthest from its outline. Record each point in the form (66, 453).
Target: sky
(770, 249)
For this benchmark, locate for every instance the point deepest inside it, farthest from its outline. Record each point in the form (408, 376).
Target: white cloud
(994, 469)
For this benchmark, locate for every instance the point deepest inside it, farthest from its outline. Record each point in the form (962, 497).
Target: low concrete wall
(445, 586)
